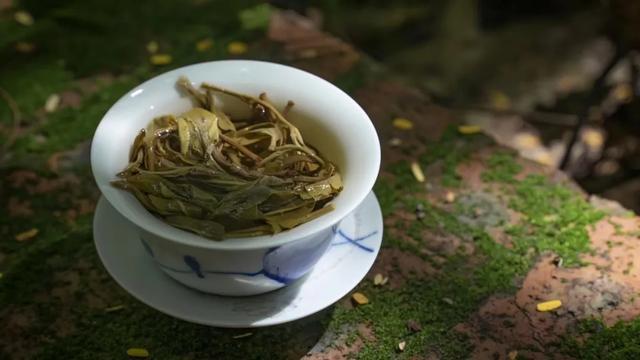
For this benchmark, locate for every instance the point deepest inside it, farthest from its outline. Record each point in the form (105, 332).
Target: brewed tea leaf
(202, 169)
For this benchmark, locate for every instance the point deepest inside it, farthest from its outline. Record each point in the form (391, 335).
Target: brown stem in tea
(248, 153)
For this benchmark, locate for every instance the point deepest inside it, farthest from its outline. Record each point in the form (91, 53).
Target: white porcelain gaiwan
(329, 120)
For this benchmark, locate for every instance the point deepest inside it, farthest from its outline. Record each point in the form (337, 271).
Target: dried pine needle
(377, 280)
(138, 353)
(359, 298)
(402, 345)
(450, 197)
(23, 18)
(26, 235)
(204, 45)
(548, 305)
(152, 47)
(469, 129)
(237, 48)
(114, 308)
(416, 170)
(52, 103)
(160, 59)
(402, 123)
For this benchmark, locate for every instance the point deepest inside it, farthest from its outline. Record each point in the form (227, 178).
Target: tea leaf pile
(219, 177)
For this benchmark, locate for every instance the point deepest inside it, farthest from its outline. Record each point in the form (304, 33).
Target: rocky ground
(469, 253)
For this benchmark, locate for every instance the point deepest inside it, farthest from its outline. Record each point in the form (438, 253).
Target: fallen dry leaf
(402, 124)
(377, 279)
(450, 197)
(204, 45)
(402, 345)
(52, 103)
(237, 48)
(359, 298)
(26, 235)
(469, 129)
(447, 300)
(23, 18)
(395, 141)
(160, 59)
(152, 47)
(417, 172)
(138, 353)
(114, 308)
(548, 305)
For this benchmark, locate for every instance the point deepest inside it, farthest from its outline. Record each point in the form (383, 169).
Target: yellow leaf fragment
(160, 59)
(526, 140)
(549, 305)
(469, 129)
(402, 123)
(377, 280)
(402, 345)
(52, 103)
(395, 141)
(359, 298)
(204, 44)
(513, 355)
(138, 353)
(448, 300)
(152, 47)
(417, 172)
(237, 48)
(26, 235)
(593, 138)
(450, 197)
(114, 308)
(23, 18)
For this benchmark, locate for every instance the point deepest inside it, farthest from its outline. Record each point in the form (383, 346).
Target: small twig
(592, 96)
(17, 117)
(248, 153)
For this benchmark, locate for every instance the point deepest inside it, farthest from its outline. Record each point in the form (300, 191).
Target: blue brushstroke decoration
(194, 265)
(296, 263)
(146, 246)
(355, 242)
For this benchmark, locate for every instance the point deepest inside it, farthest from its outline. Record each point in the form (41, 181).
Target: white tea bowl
(328, 119)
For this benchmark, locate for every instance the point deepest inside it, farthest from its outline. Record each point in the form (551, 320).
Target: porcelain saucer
(341, 268)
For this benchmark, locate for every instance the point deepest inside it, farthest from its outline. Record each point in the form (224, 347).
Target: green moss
(555, 218)
(30, 85)
(501, 167)
(452, 149)
(621, 341)
(68, 127)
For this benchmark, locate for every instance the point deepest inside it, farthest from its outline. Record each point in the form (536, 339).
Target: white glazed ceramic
(328, 119)
(339, 270)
